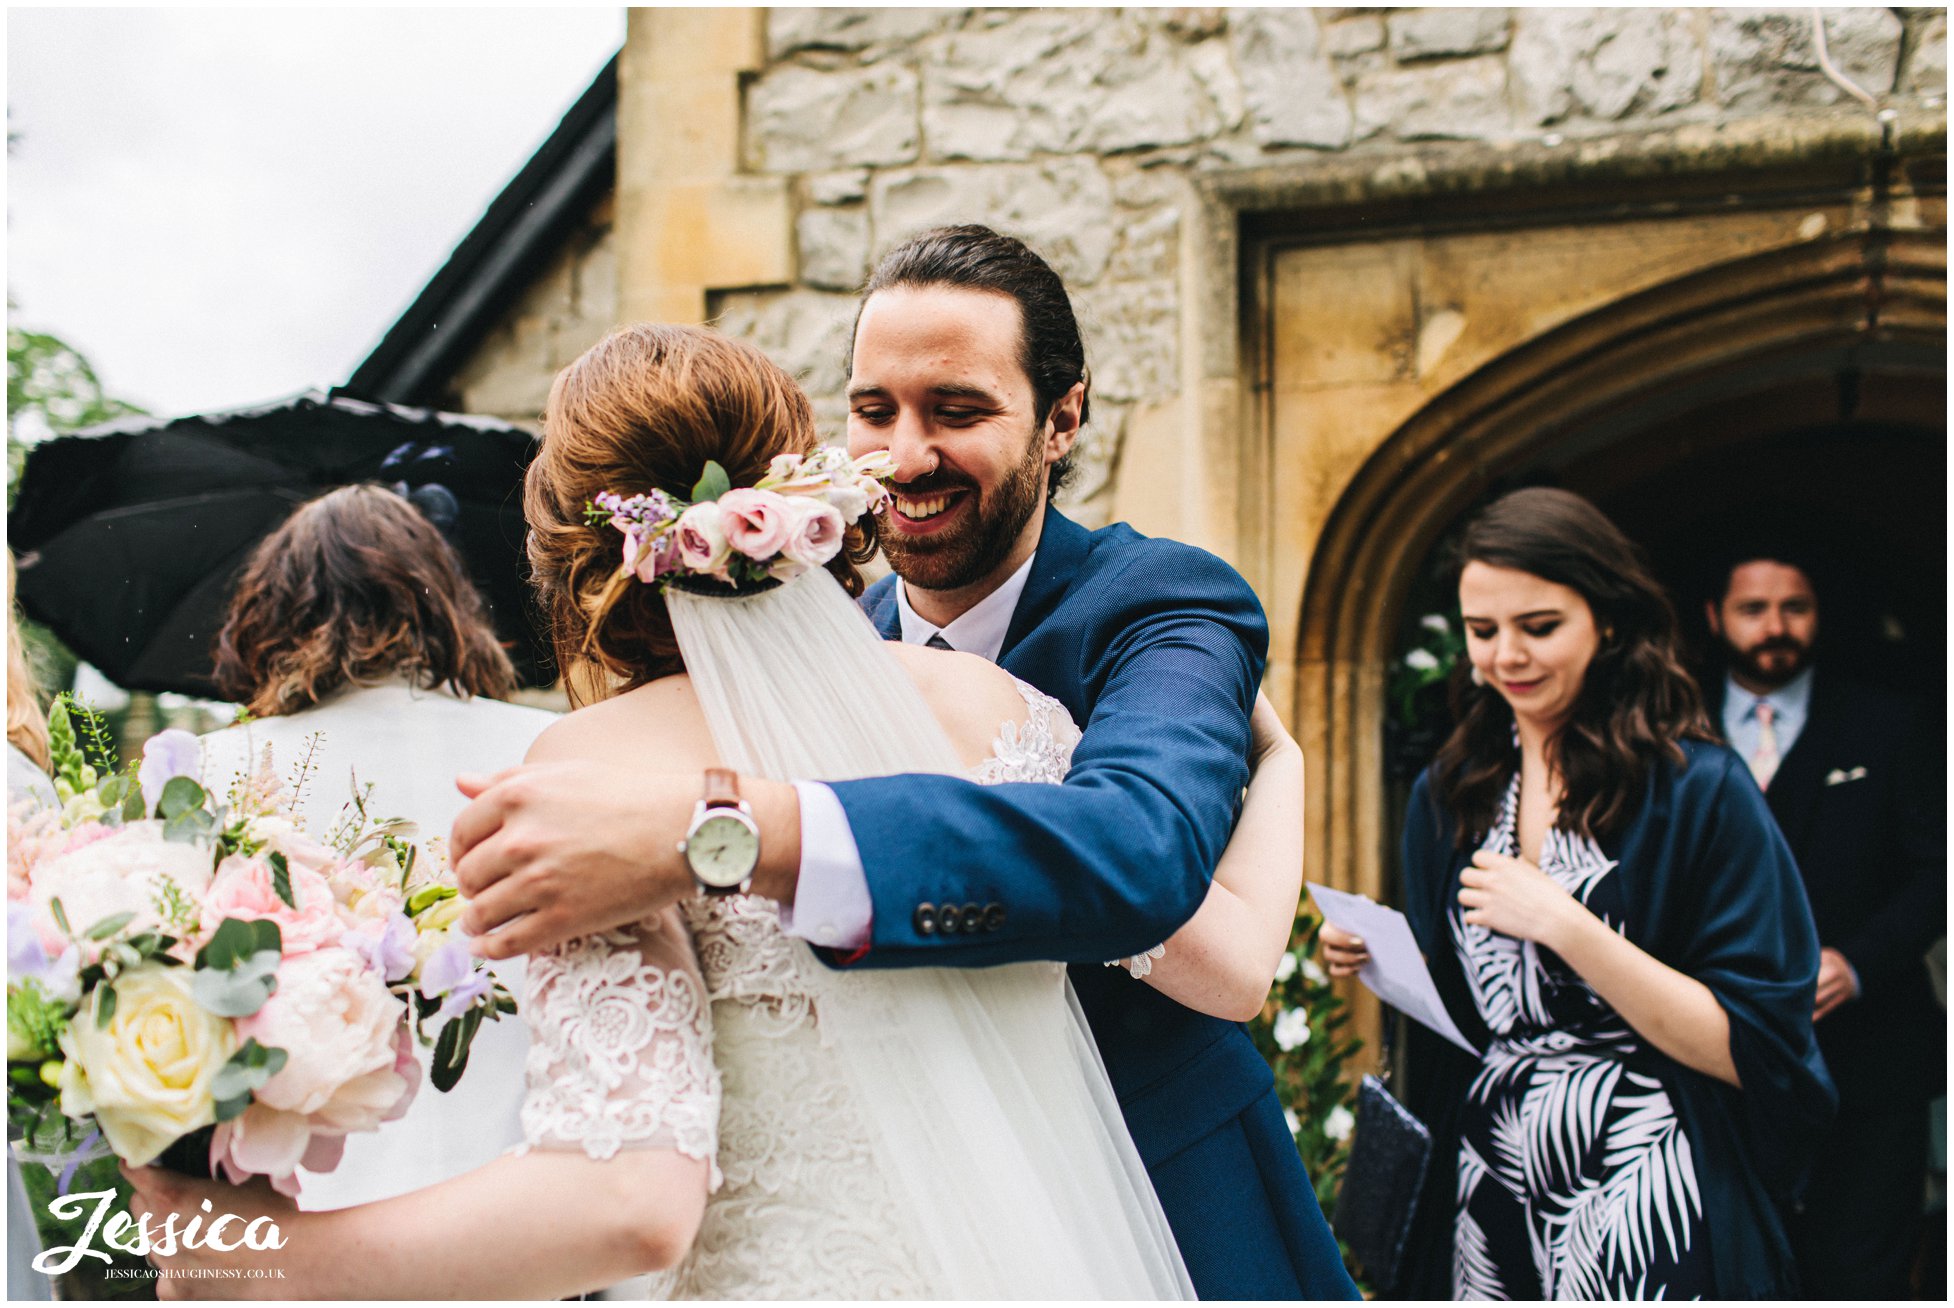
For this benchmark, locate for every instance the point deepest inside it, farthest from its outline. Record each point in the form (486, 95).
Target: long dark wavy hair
(1637, 702)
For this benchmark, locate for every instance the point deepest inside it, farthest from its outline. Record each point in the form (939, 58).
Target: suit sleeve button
(925, 919)
(993, 916)
(973, 919)
(947, 919)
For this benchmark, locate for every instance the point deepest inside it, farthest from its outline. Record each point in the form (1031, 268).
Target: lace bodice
(703, 1034)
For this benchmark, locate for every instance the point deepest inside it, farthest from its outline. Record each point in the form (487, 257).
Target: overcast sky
(220, 207)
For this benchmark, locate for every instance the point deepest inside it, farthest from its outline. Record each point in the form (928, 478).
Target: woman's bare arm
(1224, 960)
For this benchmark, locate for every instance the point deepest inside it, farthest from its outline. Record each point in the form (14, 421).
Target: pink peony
(702, 546)
(817, 532)
(272, 1142)
(757, 523)
(340, 1030)
(127, 870)
(243, 889)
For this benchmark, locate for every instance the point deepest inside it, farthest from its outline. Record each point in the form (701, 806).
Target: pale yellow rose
(146, 1075)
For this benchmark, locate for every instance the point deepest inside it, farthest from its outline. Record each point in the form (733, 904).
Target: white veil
(993, 1115)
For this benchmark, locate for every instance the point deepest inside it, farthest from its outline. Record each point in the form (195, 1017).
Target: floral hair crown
(791, 520)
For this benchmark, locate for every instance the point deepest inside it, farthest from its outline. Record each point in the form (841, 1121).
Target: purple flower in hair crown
(792, 519)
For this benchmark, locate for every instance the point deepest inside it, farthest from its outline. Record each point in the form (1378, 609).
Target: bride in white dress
(705, 1097)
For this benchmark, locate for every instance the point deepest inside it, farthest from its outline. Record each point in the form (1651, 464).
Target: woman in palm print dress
(1615, 921)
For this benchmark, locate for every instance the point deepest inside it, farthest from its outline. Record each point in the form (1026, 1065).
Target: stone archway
(1878, 294)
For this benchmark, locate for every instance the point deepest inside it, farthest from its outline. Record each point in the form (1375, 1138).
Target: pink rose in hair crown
(702, 546)
(816, 535)
(757, 523)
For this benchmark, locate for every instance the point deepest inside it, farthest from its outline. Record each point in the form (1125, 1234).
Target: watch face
(723, 850)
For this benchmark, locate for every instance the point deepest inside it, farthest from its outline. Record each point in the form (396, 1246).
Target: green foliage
(51, 388)
(1313, 1078)
(1419, 675)
(248, 1068)
(713, 484)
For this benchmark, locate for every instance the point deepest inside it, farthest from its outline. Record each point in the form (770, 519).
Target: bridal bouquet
(198, 980)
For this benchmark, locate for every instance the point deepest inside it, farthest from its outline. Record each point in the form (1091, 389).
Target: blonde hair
(26, 719)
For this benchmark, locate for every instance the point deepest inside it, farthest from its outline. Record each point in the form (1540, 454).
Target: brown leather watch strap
(722, 788)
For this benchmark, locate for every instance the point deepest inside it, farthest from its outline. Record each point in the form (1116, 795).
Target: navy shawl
(1711, 890)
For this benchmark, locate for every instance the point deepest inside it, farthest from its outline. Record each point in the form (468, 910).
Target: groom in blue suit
(968, 369)
(1157, 649)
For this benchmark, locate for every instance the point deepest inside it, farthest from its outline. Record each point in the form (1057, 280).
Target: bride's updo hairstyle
(645, 409)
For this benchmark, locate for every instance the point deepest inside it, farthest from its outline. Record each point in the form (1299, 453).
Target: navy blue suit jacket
(1156, 649)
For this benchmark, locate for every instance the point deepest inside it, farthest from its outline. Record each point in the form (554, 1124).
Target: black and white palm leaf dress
(1575, 1176)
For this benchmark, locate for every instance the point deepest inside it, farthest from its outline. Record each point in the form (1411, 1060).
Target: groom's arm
(1169, 654)
(1114, 861)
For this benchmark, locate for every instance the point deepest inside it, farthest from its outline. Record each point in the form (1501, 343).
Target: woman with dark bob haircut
(367, 657)
(1614, 920)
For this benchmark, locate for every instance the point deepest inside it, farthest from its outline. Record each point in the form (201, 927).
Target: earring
(1478, 677)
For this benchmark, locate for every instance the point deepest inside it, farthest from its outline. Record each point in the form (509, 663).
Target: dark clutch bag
(1388, 1156)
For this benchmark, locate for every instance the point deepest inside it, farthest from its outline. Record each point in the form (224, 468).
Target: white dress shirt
(1791, 702)
(832, 905)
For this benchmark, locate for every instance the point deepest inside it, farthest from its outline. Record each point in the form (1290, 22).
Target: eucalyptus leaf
(713, 484)
(227, 994)
(133, 808)
(180, 795)
(227, 1109)
(104, 1006)
(60, 916)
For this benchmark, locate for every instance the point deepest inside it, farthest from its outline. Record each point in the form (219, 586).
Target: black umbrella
(129, 536)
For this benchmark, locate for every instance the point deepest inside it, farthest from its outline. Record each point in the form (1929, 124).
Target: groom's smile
(939, 381)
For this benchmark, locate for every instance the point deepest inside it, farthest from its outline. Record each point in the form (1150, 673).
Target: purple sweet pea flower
(27, 957)
(390, 953)
(165, 755)
(451, 972)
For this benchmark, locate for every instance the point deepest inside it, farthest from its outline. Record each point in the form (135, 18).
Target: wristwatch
(722, 846)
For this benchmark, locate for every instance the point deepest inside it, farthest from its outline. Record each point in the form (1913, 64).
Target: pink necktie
(1764, 760)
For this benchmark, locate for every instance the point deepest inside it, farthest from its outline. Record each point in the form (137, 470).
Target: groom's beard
(971, 551)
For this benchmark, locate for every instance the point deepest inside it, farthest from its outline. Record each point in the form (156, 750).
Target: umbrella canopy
(129, 536)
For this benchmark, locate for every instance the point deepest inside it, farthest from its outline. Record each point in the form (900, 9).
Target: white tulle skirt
(1001, 1166)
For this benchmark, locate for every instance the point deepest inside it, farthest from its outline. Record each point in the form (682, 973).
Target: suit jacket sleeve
(1115, 860)
(1890, 944)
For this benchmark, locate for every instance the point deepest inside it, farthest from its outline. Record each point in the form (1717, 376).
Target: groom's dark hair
(975, 258)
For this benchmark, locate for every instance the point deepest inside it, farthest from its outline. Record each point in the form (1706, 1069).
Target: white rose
(1295, 1122)
(1435, 622)
(1313, 972)
(146, 1075)
(1337, 1125)
(123, 873)
(1291, 1029)
(1421, 659)
(1286, 968)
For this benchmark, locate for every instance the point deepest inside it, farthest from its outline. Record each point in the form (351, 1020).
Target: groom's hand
(550, 852)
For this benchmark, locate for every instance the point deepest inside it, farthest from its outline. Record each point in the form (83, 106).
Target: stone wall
(561, 315)
(1082, 130)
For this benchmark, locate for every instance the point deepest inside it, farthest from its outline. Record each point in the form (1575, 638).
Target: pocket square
(1839, 776)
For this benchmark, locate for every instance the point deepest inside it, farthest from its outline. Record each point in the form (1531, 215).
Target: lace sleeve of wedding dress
(621, 1046)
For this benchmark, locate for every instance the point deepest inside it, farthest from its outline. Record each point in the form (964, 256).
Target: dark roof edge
(522, 229)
